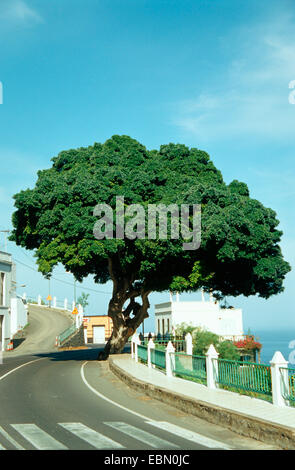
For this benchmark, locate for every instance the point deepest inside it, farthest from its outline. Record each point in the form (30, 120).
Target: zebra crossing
(28, 435)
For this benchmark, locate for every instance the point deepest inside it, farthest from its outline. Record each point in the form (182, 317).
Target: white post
(151, 345)
(73, 305)
(24, 296)
(133, 346)
(54, 302)
(136, 343)
(212, 366)
(170, 359)
(279, 379)
(39, 300)
(79, 317)
(189, 344)
(66, 304)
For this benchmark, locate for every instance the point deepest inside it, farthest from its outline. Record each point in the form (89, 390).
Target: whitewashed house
(5, 296)
(207, 314)
(13, 310)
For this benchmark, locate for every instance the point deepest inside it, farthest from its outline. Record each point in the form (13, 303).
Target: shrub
(202, 340)
(227, 350)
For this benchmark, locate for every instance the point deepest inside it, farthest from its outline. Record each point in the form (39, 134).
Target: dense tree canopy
(239, 251)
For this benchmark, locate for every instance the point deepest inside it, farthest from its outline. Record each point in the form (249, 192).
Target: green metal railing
(178, 344)
(245, 377)
(66, 333)
(191, 367)
(289, 394)
(158, 358)
(142, 353)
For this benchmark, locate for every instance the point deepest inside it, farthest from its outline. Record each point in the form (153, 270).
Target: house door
(99, 334)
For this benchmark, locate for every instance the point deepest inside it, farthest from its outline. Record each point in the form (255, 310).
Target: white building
(207, 314)
(13, 311)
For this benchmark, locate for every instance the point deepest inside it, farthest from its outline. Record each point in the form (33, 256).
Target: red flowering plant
(248, 343)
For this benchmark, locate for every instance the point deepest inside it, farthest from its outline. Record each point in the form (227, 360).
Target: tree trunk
(124, 326)
(116, 343)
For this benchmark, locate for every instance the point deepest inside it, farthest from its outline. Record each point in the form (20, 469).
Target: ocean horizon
(275, 340)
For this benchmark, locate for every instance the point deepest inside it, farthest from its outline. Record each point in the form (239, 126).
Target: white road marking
(176, 429)
(97, 440)
(189, 435)
(10, 439)
(16, 368)
(100, 395)
(37, 437)
(141, 435)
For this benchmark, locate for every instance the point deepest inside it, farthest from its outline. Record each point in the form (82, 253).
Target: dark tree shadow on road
(89, 354)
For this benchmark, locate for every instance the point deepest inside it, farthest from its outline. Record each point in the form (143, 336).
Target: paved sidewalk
(268, 418)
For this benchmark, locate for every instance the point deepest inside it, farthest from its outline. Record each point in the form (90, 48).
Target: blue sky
(207, 73)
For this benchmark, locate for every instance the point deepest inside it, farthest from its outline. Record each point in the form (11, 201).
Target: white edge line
(108, 399)
(4, 433)
(148, 420)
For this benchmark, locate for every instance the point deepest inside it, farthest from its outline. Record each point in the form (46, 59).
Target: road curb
(240, 423)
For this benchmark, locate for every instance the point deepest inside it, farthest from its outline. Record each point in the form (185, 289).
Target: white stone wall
(18, 315)
(6, 268)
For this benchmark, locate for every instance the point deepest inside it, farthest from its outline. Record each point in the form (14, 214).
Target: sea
(272, 341)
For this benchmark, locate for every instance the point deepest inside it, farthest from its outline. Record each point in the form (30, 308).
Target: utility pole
(75, 280)
(49, 298)
(75, 290)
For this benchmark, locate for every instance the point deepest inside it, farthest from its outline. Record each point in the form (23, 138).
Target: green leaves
(239, 252)
(202, 339)
(83, 300)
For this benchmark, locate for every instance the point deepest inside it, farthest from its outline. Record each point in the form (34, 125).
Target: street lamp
(15, 286)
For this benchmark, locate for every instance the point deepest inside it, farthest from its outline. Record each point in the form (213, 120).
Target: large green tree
(239, 251)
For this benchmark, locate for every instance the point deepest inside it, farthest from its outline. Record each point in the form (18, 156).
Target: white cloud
(253, 100)
(18, 11)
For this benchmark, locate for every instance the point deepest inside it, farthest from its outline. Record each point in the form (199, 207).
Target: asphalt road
(68, 400)
(44, 324)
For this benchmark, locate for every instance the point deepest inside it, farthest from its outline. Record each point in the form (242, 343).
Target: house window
(163, 326)
(2, 278)
(159, 327)
(168, 325)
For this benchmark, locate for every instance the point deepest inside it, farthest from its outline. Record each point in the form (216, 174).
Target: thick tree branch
(140, 312)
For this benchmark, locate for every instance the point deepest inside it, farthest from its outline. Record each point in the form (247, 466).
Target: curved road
(68, 400)
(44, 324)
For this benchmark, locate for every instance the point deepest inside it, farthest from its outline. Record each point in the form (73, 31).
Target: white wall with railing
(61, 304)
(280, 385)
